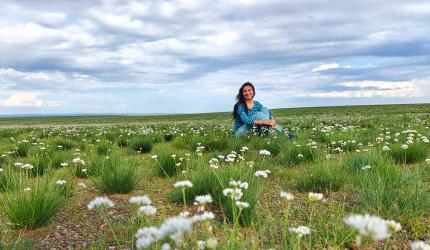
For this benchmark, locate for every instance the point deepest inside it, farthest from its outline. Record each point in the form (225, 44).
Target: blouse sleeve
(247, 119)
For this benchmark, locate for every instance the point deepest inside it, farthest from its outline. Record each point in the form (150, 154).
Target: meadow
(355, 177)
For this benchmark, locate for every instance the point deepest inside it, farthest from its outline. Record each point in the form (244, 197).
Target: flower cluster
(262, 173)
(264, 152)
(372, 226)
(173, 228)
(300, 230)
(235, 193)
(183, 184)
(315, 197)
(100, 202)
(286, 196)
(140, 200)
(78, 161)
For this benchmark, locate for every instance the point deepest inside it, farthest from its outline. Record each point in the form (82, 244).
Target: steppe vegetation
(354, 178)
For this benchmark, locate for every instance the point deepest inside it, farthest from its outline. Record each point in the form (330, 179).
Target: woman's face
(247, 92)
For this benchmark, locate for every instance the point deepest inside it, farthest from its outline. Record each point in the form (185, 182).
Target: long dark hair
(241, 100)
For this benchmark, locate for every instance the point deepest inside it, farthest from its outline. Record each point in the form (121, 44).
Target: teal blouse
(248, 119)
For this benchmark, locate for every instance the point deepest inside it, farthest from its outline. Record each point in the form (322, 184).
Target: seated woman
(248, 113)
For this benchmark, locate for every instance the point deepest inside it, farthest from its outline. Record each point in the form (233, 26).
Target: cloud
(323, 67)
(373, 89)
(27, 99)
(380, 85)
(208, 48)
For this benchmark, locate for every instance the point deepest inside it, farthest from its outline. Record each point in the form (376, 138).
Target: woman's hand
(272, 118)
(271, 123)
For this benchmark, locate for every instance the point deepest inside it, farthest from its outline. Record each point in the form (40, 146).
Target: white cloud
(27, 99)
(327, 66)
(387, 89)
(407, 85)
(25, 33)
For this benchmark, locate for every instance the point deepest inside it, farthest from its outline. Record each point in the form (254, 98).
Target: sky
(107, 56)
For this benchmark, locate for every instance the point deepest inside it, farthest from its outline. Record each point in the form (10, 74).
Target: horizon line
(162, 114)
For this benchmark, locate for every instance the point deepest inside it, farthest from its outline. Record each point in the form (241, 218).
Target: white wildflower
(201, 244)
(287, 196)
(60, 182)
(78, 161)
(262, 173)
(420, 245)
(18, 164)
(211, 243)
(202, 217)
(147, 210)
(165, 246)
(369, 226)
(140, 200)
(184, 213)
(366, 167)
(241, 204)
(315, 196)
(27, 166)
(393, 226)
(234, 193)
(183, 184)
(100, 202)
(300, 230)
(204, 199)
(264, 152)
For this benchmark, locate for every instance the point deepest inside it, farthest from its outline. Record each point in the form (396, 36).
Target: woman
(248, 113)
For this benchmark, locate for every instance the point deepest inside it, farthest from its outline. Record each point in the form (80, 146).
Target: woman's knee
(262, 115)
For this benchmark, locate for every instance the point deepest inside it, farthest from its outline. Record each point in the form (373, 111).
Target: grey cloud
(127, 45)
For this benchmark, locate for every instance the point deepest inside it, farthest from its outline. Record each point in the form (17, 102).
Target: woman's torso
(251, 113)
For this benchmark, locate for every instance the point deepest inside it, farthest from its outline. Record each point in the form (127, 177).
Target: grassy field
(355, 177)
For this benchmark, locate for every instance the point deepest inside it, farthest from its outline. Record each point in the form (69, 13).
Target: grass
(394, 187)
(321, 178)
(21, 150)
(295, 154)
(117, 176)
(416, 152)
(34, 208)
(168, 163)
(64, 144)
(355, 162)
(103, 148)
(208, 181)
(142, 144)
(390, 192)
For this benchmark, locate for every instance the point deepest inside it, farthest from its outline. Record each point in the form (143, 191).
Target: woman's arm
(249, 120)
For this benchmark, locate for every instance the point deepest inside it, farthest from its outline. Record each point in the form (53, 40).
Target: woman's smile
(248, 93)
